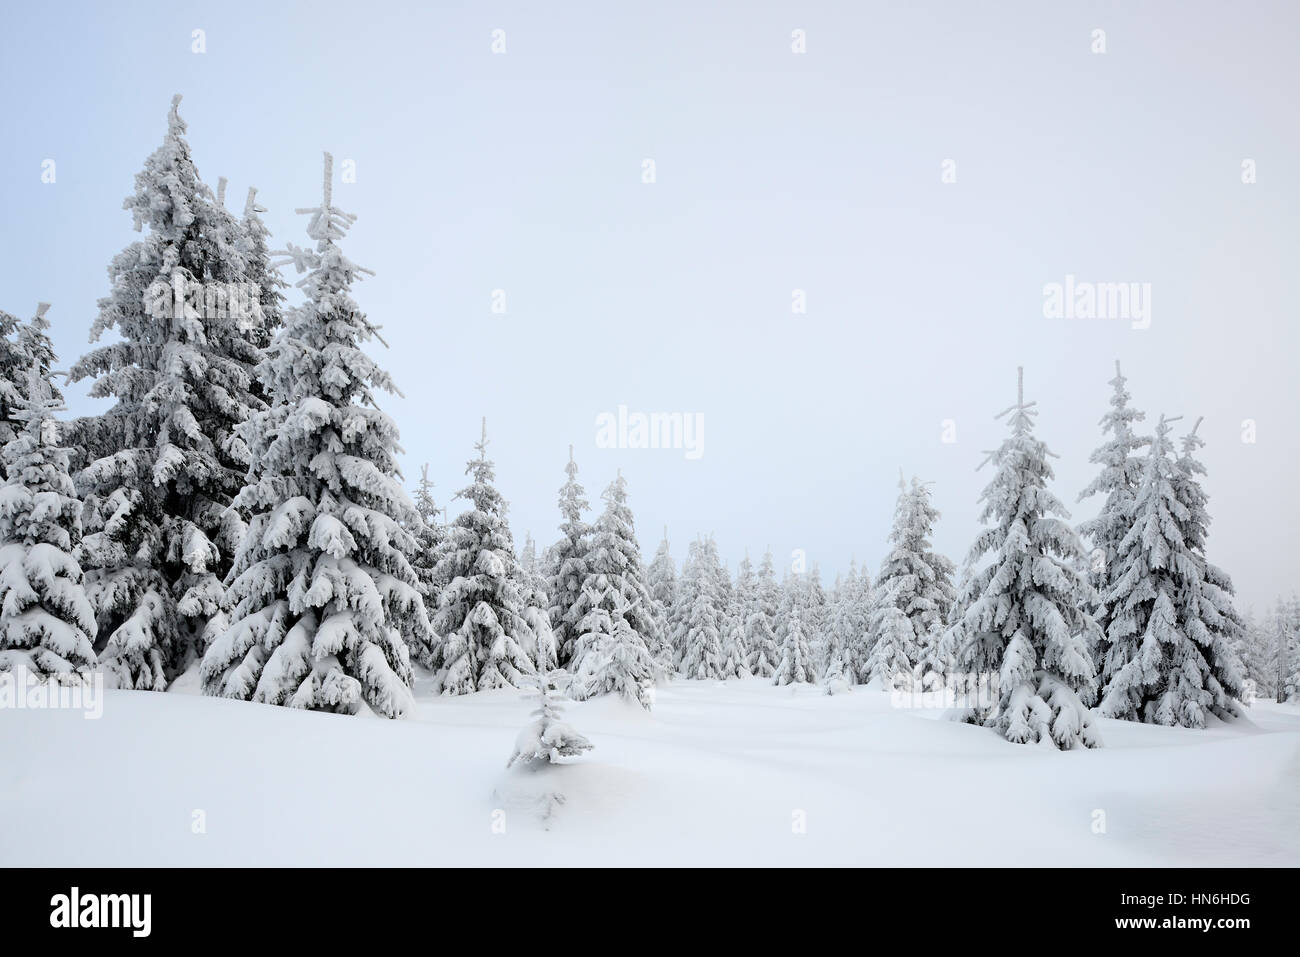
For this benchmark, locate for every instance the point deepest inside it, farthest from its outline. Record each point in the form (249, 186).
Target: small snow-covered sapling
(547, 738)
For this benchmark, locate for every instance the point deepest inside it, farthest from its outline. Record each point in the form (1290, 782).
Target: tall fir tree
(853, 625)
(661, 581)
(22, 346)
(615, 659)
(892, 661)
(486, 641)
(704, 610)
(568, 569)
(326, 600)
(790, 596)
(684, 598)
(1167, 657)
(760, 625)
(166, 460)
(13, 377)
(35, 348)
(846, 630)
(814, 612)
(47, 624)
(528, 555)
(795, 666)
(1022, 613)
(537, 606)
(267, 285)
(1285, 649)
(618, 626)
(1224, 626)
(1121, 471)
(1258, 656)
(427, 531)
(735, 649)
(914, 581)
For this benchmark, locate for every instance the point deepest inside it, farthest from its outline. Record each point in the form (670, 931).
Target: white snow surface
(717, 774)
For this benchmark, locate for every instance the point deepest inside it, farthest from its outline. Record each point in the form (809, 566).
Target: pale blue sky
(775, 171)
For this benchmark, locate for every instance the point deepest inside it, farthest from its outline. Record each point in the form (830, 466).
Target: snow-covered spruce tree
(661, 582)
(846, 631)
(1286, 649)
(789, 596)
(568, 569)
(427, 532)
(1257, 655)
(1149, 570)
(13, 372)
(683, 598)
(735, 657)
(835, 678)
(325, 599)
(548, 737)
(795, 666)
(616, 659)
(267, 284)
(1166, 657)
(537, 606)
(1272, 653)
(47, 625)
(22, 346)
(915, 581)
(1220, 627)
(165, 461)
(735, 651)
(853, 625)
(760, 625)
(613, 591)
(1218, 612)
(815, 610)
(528, 558)
(894, 648)
(259, 280)
(704, 618)
(1262, 660)
(34, 346)
(1022, 614)
(1121, 470)
(833, 669)
(1273, 635)
(482, 620)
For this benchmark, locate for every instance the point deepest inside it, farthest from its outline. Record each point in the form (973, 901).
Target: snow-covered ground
(736, 773)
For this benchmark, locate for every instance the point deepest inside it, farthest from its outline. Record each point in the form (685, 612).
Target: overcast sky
(775, 171)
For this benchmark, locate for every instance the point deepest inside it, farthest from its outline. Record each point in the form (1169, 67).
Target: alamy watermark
(24, 689)
(651, 430)
(978, 690)
(183, 298)
(1074, 299)
(75, 909)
